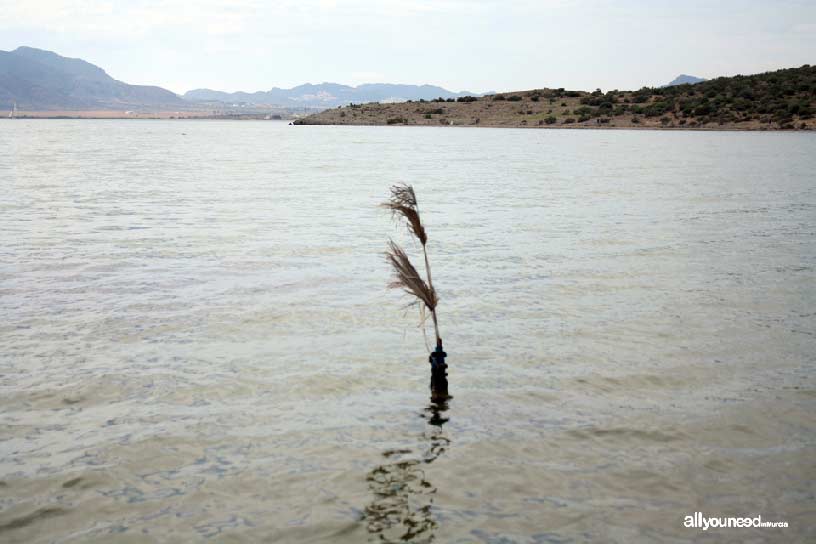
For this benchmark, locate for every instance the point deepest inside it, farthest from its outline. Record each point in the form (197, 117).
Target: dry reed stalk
(407, 278)
(403, 206)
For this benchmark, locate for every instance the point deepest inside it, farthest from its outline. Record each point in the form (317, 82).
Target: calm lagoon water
(197, 344)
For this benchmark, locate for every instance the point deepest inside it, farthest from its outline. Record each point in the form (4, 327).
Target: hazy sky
(475, 45)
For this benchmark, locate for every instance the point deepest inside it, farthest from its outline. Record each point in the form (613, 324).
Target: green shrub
(655, 109)
(550, 120)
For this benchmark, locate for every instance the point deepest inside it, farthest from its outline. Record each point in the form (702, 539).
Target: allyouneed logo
(699, 521)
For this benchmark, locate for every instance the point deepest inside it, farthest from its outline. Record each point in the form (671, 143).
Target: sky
(475, 45)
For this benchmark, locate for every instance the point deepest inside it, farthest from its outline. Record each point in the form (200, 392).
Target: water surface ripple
(196, 341)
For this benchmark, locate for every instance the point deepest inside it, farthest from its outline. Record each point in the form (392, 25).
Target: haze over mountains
(328, 95)
(39, 80)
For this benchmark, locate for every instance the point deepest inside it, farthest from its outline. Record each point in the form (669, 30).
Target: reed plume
(403, 203)
(407, 278)
(403, 206)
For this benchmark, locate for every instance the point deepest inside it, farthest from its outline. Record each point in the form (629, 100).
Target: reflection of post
(434, 413)
(401, 510)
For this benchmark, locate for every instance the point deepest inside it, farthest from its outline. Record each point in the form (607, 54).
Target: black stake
(439, 374)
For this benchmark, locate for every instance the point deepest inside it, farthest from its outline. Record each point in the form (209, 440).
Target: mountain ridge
(328, 94)
(40, 80)
(36, 79)
(684, 79)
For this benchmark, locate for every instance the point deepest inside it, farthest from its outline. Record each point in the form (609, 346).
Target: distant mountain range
(38, 80)
(684, 79)
(42, 80)
(327, 95)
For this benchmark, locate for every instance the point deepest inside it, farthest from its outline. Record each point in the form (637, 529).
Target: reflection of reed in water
(403, 496)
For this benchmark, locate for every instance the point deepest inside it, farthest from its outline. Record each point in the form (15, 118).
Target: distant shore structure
(13, 111)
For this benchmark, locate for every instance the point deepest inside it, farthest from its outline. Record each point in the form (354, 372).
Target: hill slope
(42, 80)
(784, 99)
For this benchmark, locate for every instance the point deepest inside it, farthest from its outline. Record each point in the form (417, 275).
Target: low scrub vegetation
(773, 100)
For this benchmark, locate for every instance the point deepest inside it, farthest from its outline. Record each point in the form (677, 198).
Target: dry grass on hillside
(785, 99)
